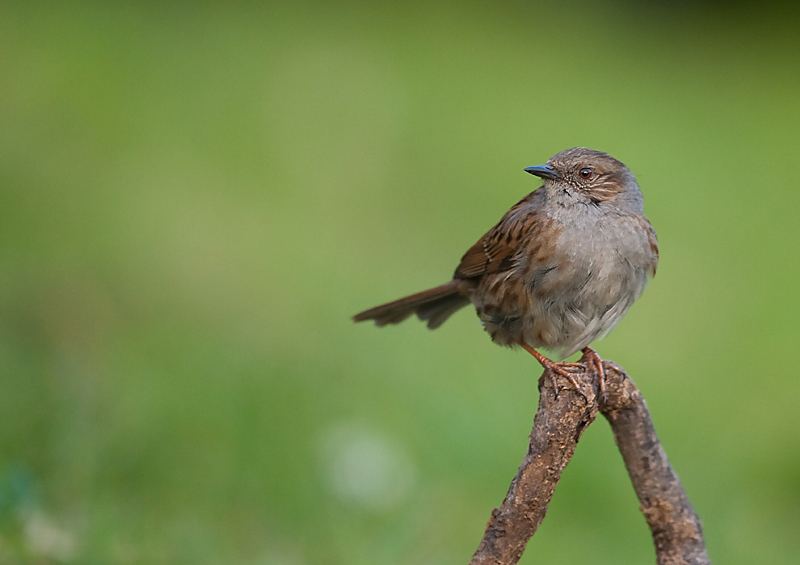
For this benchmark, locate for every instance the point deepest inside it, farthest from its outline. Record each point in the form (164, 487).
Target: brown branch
(677, 532)
(557, 426)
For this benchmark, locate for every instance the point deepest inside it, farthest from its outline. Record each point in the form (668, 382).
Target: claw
(590, 361)
(593, 359)
(554, 368)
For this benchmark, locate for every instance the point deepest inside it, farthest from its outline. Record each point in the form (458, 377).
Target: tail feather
(437, 312)
(434, 305)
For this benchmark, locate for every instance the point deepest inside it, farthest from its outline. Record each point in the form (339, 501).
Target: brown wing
(495, 251)
(653, 241)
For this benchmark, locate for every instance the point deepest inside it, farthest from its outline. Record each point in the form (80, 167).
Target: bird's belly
(563, 308)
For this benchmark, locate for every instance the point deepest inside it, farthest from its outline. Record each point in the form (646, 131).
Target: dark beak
(544, 171)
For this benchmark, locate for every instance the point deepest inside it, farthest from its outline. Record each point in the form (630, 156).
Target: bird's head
(585, 176)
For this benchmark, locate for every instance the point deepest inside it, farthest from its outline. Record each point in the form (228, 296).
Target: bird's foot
(595, 364)
(552, 369)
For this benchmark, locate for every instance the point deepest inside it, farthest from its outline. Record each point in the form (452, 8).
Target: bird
(558, 271)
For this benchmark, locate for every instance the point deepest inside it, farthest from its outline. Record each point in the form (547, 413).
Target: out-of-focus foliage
(195, 198)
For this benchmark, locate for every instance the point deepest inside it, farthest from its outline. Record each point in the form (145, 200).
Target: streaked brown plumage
(559, 270)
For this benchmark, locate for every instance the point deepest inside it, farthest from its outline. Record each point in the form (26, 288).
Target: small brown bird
(560, 269)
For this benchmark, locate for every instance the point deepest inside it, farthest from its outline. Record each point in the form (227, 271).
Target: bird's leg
(552, 367)
(593, 360)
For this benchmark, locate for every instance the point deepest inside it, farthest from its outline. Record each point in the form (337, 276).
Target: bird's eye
(585, 172)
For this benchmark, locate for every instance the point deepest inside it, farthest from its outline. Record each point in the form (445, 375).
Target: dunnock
(559, 270)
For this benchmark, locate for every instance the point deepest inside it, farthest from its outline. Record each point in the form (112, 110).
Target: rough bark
(677, 531)
(557, 426)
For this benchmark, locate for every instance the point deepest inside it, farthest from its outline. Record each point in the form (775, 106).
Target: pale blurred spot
(44, 538)
(366, 469)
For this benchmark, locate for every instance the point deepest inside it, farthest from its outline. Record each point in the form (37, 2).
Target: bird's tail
(434, 305)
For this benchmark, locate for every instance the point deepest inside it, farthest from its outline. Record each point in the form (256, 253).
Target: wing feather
(496, 251)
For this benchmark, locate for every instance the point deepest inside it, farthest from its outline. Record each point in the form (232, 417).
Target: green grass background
(195, 198)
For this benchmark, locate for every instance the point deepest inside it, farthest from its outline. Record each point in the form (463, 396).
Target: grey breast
(589, 285)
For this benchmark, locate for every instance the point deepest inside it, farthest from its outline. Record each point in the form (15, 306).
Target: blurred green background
(195, 198)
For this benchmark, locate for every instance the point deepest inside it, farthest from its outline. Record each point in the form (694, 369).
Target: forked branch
(557, 426)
